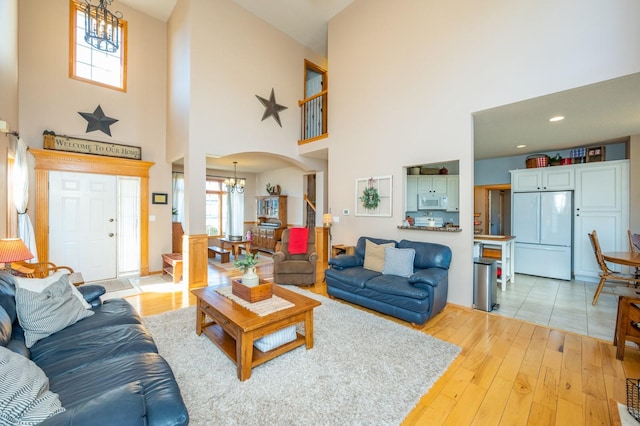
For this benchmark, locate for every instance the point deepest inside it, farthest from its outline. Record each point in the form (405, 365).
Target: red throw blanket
(298, 238)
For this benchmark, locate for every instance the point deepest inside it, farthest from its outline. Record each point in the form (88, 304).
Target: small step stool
(223, 253)
(172, 265)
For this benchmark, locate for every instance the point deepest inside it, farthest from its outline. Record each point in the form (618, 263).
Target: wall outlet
(336, 219)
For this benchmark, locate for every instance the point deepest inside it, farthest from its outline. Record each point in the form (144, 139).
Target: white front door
(83, 223)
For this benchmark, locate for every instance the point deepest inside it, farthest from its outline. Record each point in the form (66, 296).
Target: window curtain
(20, 179)
(177, 204)
(236, 214)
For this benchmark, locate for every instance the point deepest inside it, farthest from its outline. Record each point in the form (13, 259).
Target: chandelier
(233, 183)
(101, 27)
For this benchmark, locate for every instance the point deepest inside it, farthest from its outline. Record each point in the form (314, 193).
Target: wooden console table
(627, 324)
(172, 265)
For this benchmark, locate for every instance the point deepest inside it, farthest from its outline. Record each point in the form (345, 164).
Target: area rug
(363, 369)
(114, 285)
(263, 259)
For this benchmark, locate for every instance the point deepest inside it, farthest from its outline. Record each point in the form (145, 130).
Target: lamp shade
(13, 250)
(327, 219)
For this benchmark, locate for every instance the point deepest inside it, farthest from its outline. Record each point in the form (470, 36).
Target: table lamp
(327, 221)
(13, 250)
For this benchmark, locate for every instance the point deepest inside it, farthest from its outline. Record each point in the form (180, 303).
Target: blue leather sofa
(414, 299)
(105, 368)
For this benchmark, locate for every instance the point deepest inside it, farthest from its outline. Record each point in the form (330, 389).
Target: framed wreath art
(370, 197)
(373, 196)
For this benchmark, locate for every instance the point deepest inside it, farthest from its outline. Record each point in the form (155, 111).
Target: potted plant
(273, 189)
(248, 266)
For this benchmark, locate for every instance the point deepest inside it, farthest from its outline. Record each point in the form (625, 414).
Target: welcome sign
(85, 146)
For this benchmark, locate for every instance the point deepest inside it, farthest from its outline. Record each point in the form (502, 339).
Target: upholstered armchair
(296, 269)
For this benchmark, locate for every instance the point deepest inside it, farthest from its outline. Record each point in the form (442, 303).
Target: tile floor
(564, 305)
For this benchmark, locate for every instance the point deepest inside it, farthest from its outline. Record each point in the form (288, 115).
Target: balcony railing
(314, 118)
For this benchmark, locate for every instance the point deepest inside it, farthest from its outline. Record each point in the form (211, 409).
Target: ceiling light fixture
(101, 27)
(556, 118)
(521, 146)
(233, 183)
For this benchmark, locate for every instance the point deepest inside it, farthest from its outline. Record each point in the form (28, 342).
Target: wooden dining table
(236, 245)
(628, 258)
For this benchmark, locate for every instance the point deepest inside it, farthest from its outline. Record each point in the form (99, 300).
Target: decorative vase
(250, 278)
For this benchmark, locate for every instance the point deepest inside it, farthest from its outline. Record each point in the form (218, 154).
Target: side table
(338, 249)
(172, 265)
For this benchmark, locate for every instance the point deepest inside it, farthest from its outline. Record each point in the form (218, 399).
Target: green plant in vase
(248, 266)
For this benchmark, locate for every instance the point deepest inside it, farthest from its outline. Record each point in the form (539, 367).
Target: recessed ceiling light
(521, 146)
(556, 118)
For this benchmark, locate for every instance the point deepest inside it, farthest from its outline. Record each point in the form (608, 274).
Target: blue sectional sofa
(105, 368)
(415, 298)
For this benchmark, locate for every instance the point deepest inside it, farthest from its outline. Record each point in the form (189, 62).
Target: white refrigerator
(543, 226)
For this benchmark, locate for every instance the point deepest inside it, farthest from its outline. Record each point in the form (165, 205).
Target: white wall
(50, 100)
(634, 184)
(232, 57)
(9, 97)
(406, 77)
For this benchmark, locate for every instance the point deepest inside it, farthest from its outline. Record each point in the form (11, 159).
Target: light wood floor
(509, 372)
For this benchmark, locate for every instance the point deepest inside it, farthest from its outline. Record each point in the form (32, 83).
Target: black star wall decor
(96, 120)
(271, 108)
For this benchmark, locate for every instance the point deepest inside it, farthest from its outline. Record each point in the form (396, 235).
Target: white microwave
(432, 201)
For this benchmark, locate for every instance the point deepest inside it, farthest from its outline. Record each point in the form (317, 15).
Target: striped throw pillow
(25, 398)
(42, 314)
(276, 339)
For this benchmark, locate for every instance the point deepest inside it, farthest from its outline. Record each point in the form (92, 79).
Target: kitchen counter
(431, 228)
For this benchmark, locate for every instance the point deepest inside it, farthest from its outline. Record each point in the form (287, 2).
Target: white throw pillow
(398, 261)
(36, 285)
(45, 313)
(25, 398)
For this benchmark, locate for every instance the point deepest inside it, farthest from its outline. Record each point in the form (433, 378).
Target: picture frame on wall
(159, 198)
(383, 188)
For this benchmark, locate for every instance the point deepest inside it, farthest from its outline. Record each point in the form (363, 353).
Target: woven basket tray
(538, 160)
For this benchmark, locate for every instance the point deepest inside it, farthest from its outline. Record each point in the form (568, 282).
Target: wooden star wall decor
(96, 120)
(271, 108)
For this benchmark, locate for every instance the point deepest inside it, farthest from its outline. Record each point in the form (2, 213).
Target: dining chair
(607, 274)
(634, 246)
(44, 269)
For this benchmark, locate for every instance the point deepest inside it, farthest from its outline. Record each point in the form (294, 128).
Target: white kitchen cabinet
(602, 186)
(601, 200)
(559, 178)
(610, 228)
(412, 194)
(436, 184)
(453, 193)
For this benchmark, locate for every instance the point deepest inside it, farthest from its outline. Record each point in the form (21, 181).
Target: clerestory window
(87, 63)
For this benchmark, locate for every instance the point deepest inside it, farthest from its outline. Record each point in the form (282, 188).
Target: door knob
(111, 234)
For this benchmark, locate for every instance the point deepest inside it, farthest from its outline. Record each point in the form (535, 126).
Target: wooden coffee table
(234, 329)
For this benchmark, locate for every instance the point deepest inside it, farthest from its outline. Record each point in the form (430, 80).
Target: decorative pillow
(374, 255)
(42, 314)
(398, 261)
(38, 284)
(25, 398)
